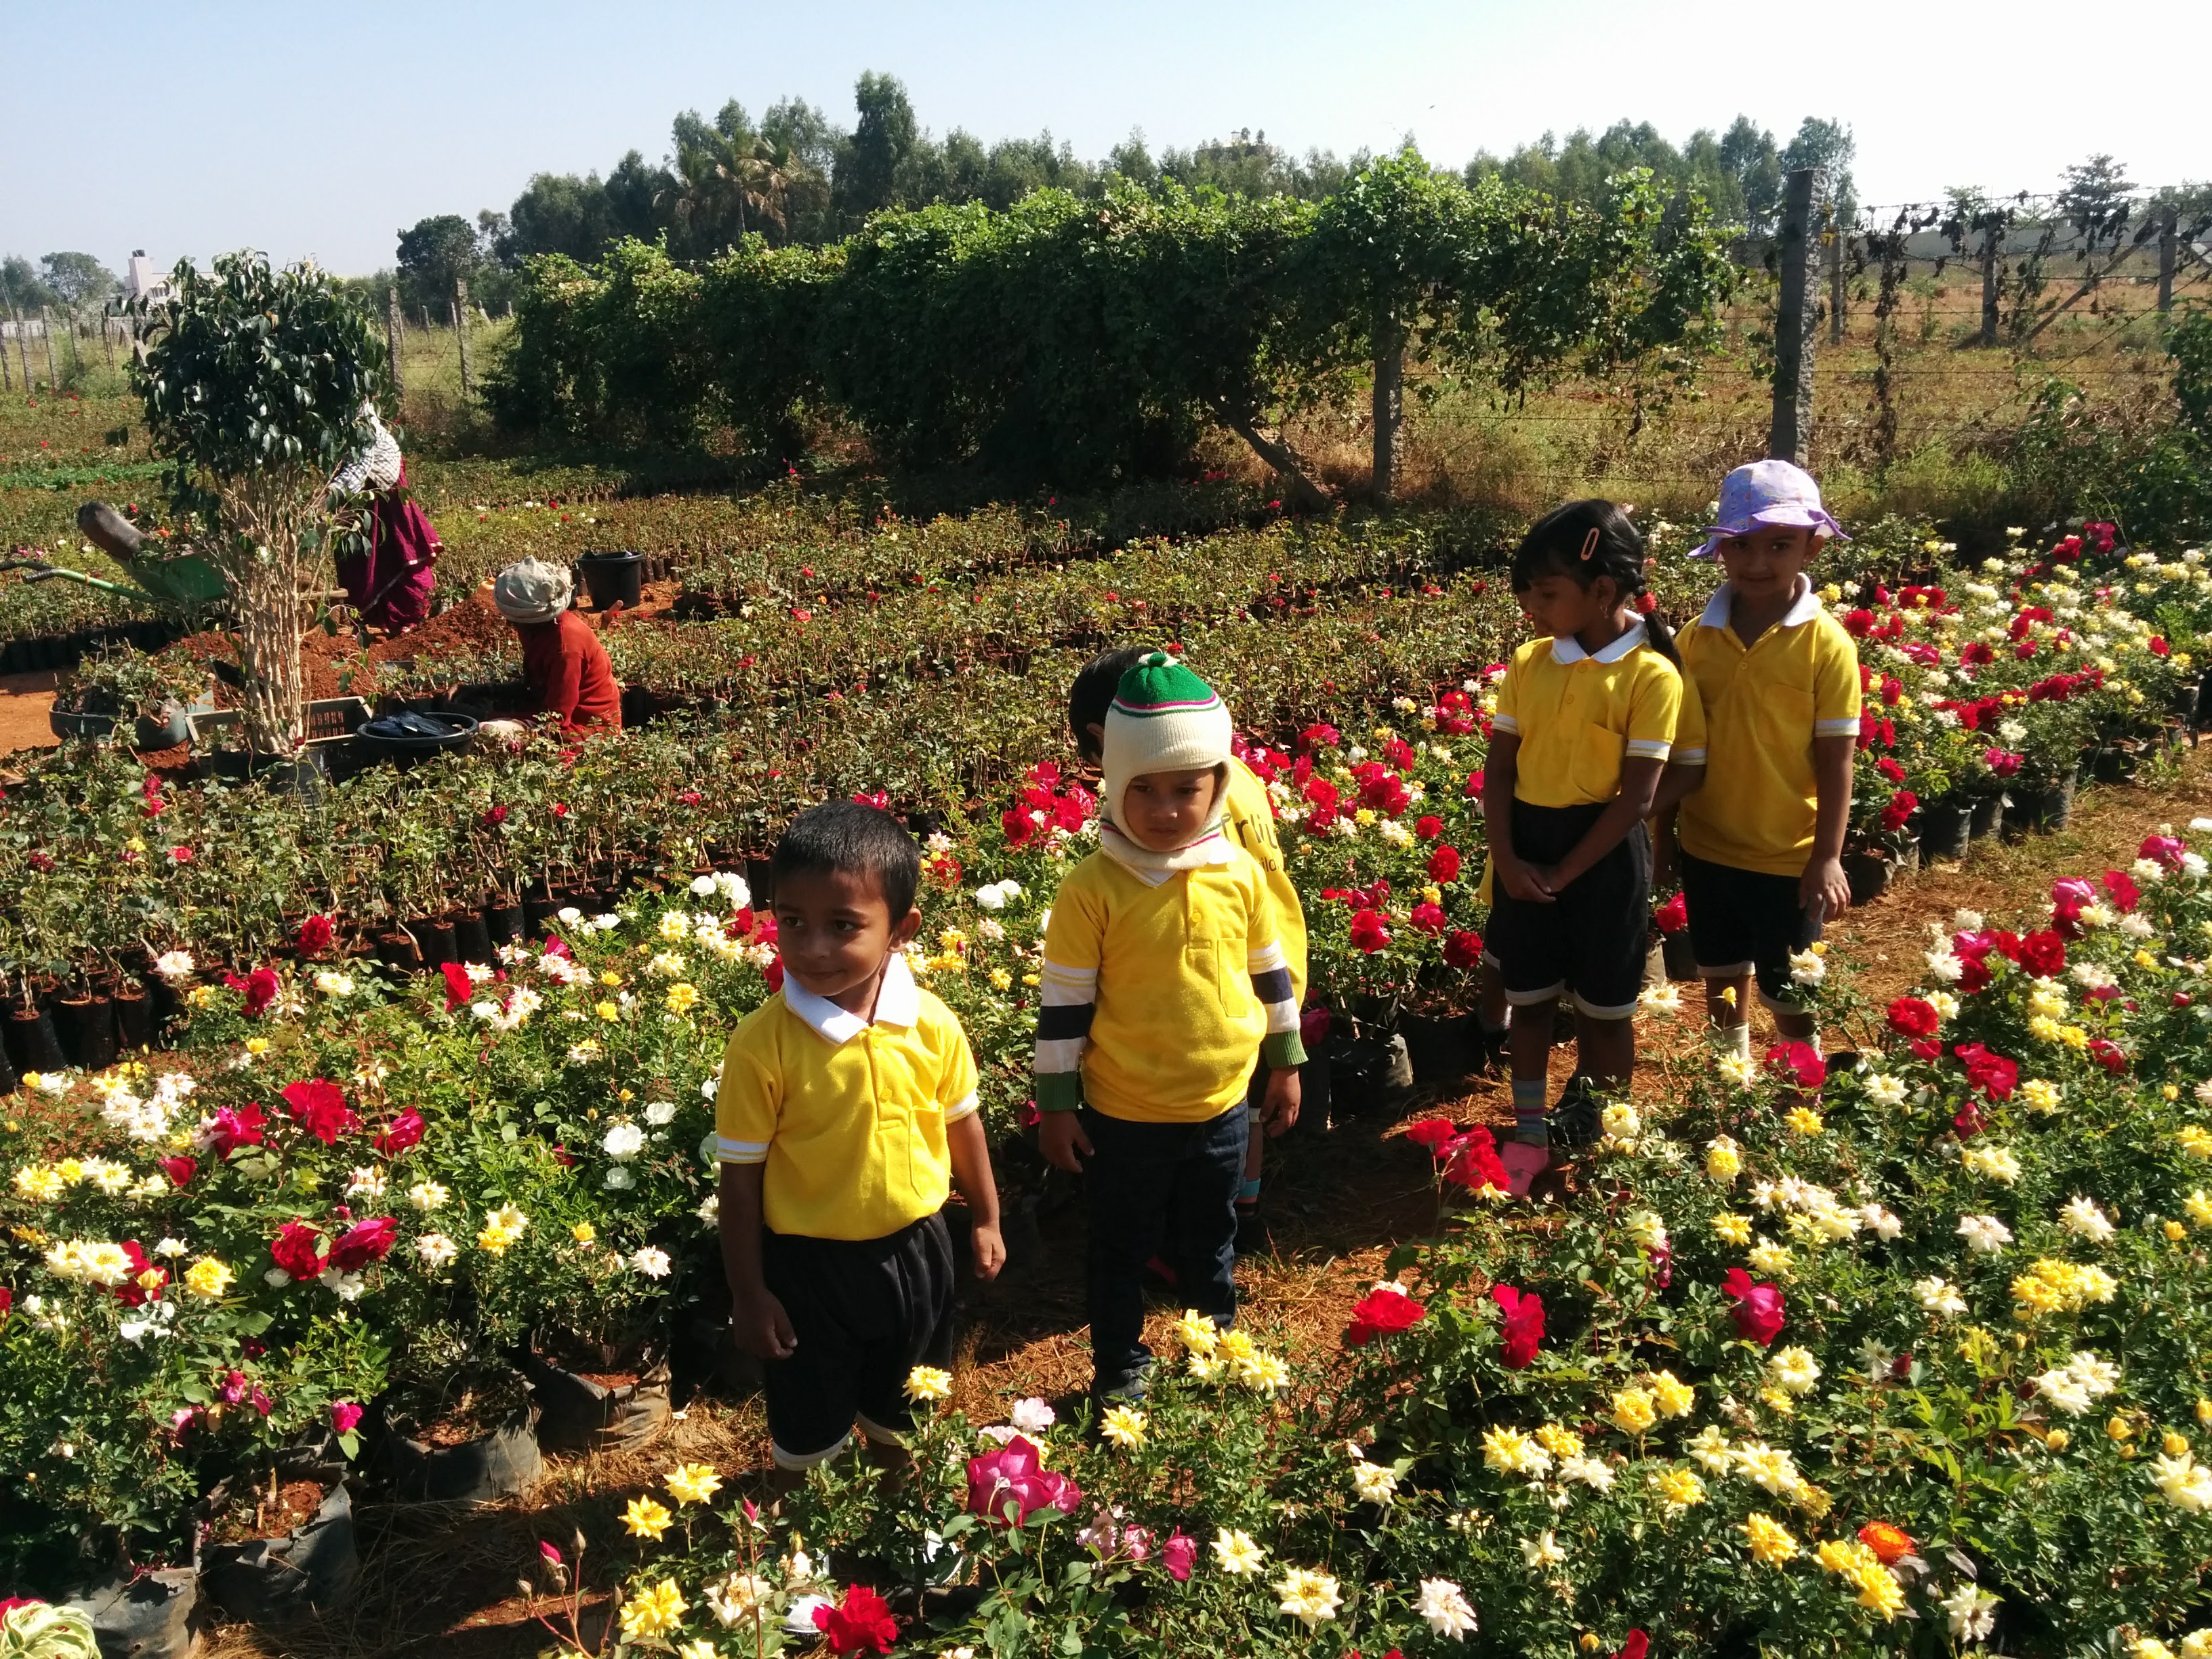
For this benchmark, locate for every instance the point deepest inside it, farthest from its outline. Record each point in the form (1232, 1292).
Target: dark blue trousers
(1165, 1189)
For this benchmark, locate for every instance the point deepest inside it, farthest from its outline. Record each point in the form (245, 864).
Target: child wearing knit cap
(1163, 977)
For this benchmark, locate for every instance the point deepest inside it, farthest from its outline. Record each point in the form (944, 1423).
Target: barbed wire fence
(1926, 323)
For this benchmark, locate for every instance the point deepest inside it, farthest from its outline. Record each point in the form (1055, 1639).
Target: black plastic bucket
(614, 578)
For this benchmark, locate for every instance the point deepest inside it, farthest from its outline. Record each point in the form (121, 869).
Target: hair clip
(1589, 543)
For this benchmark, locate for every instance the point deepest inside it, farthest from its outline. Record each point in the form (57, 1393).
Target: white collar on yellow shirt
(898, 1003)
(1802, 610)
(1566, 649)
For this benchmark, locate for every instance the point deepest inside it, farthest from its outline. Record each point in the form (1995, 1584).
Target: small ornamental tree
(255, 384)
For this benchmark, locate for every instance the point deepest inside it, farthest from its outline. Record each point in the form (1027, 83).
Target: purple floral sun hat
(1767, 493)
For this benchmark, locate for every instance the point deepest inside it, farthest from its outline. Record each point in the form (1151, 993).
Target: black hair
(1583, 541)
(845, 834)
(1093, 694)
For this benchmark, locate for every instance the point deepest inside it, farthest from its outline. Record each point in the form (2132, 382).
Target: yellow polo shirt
(1165, 970)
(1251, 815)
(1689, 749)
(1764, 707)
(1579, 716)
(849, 1116)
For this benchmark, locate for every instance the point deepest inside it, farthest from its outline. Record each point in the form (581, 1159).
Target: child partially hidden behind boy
(1163, 980)
(847, 1099)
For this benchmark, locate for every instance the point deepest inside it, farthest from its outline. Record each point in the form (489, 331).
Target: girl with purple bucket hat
(1762, 843)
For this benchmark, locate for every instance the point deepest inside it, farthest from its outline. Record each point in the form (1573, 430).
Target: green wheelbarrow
(183, 581)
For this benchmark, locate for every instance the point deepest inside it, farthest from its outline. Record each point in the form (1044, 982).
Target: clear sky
(308, 127)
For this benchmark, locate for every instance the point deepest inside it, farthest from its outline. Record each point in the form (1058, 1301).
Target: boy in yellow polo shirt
(1250, 821)
(847, 1099)
(1762, 844)
(1163, 981)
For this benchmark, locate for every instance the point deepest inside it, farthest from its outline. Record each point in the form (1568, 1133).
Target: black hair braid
(1583, 541)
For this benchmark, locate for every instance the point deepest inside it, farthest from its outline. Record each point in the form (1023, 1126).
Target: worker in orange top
(563, 661)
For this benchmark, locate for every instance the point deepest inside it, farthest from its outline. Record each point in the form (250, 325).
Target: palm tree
(720, 174)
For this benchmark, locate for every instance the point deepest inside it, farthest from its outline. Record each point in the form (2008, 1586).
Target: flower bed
(352, 1190)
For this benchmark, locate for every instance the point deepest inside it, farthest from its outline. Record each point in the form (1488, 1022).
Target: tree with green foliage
(78, 280)
(1499, 280)
(434, 254)
(866, 175)
(1829, 146)
(257, 385)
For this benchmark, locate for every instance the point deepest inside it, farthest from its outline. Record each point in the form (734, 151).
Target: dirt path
(25, 699)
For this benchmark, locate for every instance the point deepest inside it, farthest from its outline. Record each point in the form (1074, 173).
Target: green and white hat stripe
(1159, 685)
(1163, 718)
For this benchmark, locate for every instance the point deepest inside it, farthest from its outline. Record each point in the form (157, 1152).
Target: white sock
(1732, 1039)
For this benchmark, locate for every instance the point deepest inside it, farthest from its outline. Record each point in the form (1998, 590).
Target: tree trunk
(266, 531)
(1389, 401)
(1304, 496)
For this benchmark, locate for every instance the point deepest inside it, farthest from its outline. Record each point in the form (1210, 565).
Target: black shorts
(866, 1312)
(1746, 921)
(1589, 942)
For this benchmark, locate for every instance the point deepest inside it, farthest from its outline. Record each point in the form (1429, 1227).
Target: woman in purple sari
(392, 582)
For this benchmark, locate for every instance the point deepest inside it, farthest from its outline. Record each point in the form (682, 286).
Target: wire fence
(1939, 325)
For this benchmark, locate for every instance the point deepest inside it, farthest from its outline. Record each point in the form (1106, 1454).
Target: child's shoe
(1576, 1121)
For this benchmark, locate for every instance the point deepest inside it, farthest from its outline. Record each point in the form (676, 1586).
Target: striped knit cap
(1163, 719)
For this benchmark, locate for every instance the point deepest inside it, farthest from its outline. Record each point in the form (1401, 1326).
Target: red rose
(492, 818)
(1428, 827)
(1018, 826)
(2121, 889)
(1673, 916)
(130, 1292)
(774, 974)
(1759, 1308)
(1524, 1325)
(181, 1169)
(1313, 1027)
(363, 1242)
(1433, 1132)
(1471, 1161)
(1429, 918)
(1993, 1074)
(459, 988)
(1636, 1647)
(1443, 865)
(315, 935)
(2109, 1055)
(1799, 1061)
(260, 991)
(1890, 769)
(1463, 950)
(406, 1129)
(1912, 1017)
(294, 1249)
(1368, 932)
(235, 1129)
(1473, 784)
(321, 1109)
(1319, 733)
(2042, 954)
(1898, 813)
(1382, 1313)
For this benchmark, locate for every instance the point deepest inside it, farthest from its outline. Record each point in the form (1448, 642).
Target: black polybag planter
(32, 1042)
(146, 1616)
(490, 1467)
(577, 1414)
(312, 1569)
(1945, 828)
